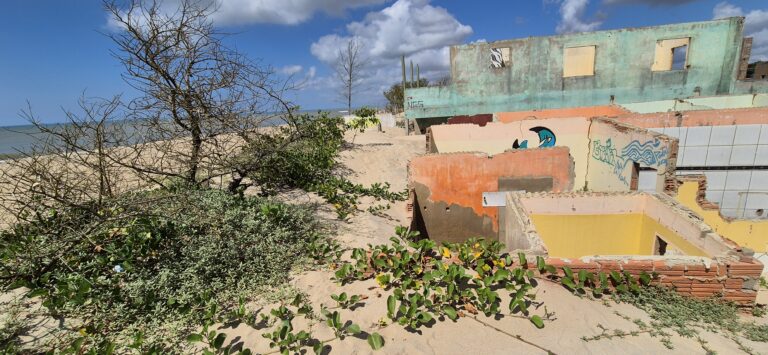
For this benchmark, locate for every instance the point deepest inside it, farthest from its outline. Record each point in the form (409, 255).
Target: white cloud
(414, 28)
(755, 26)
(290, 69)
(571, 17)
(286, 12)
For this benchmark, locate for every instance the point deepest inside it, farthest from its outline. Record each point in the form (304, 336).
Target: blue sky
(54, 51)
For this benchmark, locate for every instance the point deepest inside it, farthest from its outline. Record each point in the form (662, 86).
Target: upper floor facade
(622, 66)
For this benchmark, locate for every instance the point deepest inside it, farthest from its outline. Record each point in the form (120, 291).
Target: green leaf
(450, 312)
(376, 341)
(194, 338)
(536, 320)
(318, 348)
(353, 328)
(567, 282)
(391, 303)
(540, 264)
(645, 279)
(219, 341)
(568, 272)
(523, 261)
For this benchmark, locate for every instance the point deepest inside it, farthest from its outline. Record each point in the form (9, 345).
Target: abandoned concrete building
(634, 149)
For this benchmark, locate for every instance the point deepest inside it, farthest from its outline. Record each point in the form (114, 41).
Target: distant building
(623, 66)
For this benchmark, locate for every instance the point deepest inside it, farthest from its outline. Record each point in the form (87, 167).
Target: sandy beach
(383, 157)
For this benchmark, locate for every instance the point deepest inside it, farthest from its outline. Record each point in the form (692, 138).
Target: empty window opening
(749, 66)
(579, 61)
(671, 54)
(659, 246)
(679, 56)
(635, 179)
(500, 58)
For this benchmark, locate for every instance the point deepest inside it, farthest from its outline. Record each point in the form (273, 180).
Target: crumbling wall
(736, 280)
(534, 77)
(615, 147)
(587, 111)
(748, 233)
(447, 188)
(496, 138)
(480, 120)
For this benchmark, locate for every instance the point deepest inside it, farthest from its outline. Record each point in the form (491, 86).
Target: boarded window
(500, 58)
(671, 54)
(579, 61)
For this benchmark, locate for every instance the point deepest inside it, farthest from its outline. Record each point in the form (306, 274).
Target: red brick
(746, 266)
(752, 273)
(695, 267)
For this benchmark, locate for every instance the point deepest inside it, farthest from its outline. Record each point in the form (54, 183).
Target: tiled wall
(741, 193)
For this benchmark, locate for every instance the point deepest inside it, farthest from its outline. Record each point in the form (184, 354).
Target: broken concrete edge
(670, 177)
(701, 198)
(709, 240)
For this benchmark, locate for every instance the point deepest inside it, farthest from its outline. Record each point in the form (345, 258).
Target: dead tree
(349, 69)
(199, 99)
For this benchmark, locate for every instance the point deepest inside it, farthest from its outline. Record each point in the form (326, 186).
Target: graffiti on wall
(547, 138)
(651, 154)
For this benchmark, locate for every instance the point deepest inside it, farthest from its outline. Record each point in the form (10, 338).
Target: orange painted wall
(589, 111)
(461, 178)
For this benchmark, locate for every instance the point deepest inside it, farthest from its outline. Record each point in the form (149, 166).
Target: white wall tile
(729, 212)
(723, 135)
(757, 201)
(743, 155)
(647, 180)
(763, 134)
(672, 131)
(698, 136)
(759, 181)
(761, 158)
(683, 136)
(718, 155)
(658, 129)
(714, 195)
(738, 180)
(694, 156)
(747, 134)
(731, 200)
(716, 180)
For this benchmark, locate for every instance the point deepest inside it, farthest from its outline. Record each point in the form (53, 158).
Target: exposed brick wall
(735, 281)
(480, 120)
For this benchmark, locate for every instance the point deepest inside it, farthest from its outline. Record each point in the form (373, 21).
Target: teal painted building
(587, 69)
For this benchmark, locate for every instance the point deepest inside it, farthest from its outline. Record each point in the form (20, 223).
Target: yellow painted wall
(749, 233)
(574, 236)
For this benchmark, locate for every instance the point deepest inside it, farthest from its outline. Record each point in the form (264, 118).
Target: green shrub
(190, 249)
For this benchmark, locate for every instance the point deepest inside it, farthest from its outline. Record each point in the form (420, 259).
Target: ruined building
(634, 149)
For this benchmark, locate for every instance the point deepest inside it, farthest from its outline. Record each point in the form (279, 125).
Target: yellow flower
(477, 254)
(82, 332)
(486, 267)
(446, 253)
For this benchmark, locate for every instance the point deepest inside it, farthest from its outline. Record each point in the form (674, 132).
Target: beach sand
(380, 157)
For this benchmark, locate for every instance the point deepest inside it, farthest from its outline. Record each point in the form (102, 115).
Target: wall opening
(749, 67)
(634, 182)
(679, 56)
(659, 246)
(671, 54)
(500, 58)
(579, 61)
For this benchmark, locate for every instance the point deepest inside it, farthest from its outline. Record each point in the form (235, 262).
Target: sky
(54, 51)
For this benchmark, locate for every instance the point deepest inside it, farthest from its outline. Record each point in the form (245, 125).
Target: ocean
(21, 138)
